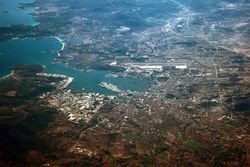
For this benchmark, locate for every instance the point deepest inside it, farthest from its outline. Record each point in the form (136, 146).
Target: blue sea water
(32, 51)
(40, 51)
(10, 13)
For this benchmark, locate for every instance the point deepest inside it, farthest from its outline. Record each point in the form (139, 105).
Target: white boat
(110, 86)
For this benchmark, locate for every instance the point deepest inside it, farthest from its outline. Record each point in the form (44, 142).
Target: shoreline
(63, 46)
(8, 75)
(67, 80)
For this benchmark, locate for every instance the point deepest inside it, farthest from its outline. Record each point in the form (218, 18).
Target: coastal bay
(43, 51)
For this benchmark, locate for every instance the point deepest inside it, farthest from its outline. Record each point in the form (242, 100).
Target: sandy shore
(63, 45)
(12, 72)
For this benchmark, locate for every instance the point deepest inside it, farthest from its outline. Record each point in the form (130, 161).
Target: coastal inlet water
(10, 13)
(32, 51)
